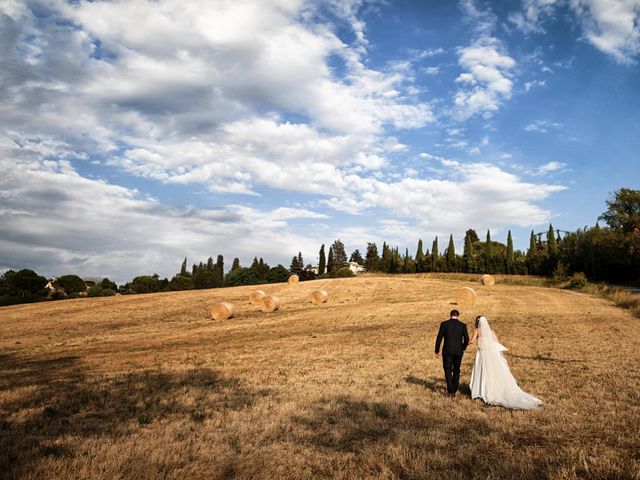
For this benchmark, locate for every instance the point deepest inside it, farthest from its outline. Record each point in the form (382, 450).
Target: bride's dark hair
(478, 320)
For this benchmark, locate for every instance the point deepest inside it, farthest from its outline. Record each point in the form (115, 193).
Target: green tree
(623, 211)
(372, 260)
(144, 284)
(296, 267)
(435, 256)
(468, 256)
(236, 264)
(70, 284)
(183, 269)
(451, 256)
(356, 256)
(107, 284)
(331, 263)
(488, 254)
(24, 283)
(322, 261)
(420, 259)
(510, 256)
(181, 282)
(242, 276)
(278, 274)
(219, 271)
(532, 254)
(339, 254)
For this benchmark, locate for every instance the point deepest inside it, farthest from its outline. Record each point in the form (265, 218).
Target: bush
(577, 281)
(99, 291)
(95, 291)
(344, 272)
(58, 295)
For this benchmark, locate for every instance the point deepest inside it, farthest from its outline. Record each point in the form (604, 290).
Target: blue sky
(135, 133)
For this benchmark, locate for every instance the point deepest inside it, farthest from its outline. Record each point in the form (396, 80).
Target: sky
(136, 133)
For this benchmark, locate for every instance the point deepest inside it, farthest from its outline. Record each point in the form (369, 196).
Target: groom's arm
(465, 338)
(439, 338)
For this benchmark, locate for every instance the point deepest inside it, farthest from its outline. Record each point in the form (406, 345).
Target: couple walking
(491, 378)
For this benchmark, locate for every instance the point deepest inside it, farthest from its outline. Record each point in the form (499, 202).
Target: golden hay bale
(466, 296)
(293, 279)
(256, 296)
(319, 296)
(487, 280)
(222, 311)
(269, 303)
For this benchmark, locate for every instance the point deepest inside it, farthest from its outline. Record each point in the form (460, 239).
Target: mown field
(149, 387)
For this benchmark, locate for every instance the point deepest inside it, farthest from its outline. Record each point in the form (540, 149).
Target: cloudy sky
(134, 133)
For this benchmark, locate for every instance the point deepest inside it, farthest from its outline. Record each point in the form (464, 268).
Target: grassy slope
(150, 387)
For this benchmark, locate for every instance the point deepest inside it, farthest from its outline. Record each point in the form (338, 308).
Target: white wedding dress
(491, 378)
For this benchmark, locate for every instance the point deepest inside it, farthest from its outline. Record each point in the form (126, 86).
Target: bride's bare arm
(474, 337)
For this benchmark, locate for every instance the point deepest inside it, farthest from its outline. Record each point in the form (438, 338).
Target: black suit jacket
(455, 335)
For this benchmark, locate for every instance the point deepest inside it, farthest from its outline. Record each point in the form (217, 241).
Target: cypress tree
(467, 255)
(210, 265)
(235, 265)
(509, 262)
(531, 254)
(220, 270)
(552, 246)
(488, 254)
(451, 255)
(435, 256)
(419, 257)
(322, 261)
(183, 269)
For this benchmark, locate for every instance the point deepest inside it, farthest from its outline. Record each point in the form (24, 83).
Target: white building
(356, 268)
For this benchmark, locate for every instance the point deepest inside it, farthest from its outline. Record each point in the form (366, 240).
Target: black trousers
(451, 364)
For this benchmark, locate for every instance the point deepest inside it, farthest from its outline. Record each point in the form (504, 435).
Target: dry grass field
(149, 387)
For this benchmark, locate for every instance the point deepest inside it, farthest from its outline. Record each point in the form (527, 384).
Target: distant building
(356, 268)
(315, 270)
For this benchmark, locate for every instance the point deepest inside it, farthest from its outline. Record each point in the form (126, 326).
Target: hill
(150, 387)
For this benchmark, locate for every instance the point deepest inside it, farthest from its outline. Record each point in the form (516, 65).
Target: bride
(491, 379)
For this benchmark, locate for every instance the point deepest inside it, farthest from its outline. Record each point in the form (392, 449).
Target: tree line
(609, 253)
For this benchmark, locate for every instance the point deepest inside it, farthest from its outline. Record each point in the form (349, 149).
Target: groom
(456, 339)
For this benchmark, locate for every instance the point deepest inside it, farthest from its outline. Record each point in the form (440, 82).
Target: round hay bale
(256, 296)
(488, 279)
(269, 303)
(319, 296)
(466, 296)
(222, 311)
(293, 279)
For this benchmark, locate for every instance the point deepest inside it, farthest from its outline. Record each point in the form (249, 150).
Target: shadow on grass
(396, 441)
(437, 385)
(56, 403)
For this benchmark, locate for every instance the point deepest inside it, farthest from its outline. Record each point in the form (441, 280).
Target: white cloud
(56, 221)
(239, 97)
(485, 81)
(549, 167)
(612, 26)
(542, 126)
(532, 84)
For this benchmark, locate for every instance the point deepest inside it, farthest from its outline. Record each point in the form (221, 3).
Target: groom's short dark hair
(454, 313)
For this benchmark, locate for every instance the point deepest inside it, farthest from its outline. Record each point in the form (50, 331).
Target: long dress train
(491, 378)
